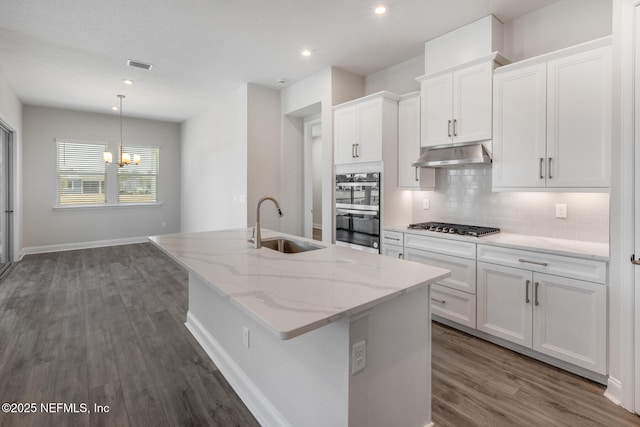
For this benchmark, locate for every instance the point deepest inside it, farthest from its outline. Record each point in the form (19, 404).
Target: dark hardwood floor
(106, 326)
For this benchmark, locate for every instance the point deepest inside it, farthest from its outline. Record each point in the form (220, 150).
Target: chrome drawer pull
(392, 238)
(544, 264)
(441, 301)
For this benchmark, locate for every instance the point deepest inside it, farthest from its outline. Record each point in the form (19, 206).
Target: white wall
(11, 115)
(263, 154)
(214, 165)
(47, 229)
(562, 24)
(400, 78)
(328, 87)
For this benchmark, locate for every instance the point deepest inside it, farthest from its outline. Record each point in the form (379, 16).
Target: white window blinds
(81, 172)
(139, 183)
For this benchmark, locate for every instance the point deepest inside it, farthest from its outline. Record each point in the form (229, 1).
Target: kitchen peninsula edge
(281, 327)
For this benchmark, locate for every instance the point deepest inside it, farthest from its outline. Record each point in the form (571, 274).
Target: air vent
(138, 64)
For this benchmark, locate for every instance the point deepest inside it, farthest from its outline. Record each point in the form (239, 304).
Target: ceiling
(73, 53)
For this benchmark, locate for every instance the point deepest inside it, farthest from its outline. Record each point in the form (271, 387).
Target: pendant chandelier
(125, 158)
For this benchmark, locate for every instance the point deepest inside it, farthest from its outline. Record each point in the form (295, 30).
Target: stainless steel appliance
(358, 210)
(462, 229)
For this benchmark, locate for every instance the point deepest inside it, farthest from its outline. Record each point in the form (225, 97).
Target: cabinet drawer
(441, 246)
(463, 270)
(393, 251)
(392, 237)
(559, 265)
(457, 306)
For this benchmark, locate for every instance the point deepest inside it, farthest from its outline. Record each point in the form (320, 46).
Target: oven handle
(357, 211)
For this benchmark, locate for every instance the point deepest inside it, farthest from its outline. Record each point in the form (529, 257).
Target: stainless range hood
(444, 156)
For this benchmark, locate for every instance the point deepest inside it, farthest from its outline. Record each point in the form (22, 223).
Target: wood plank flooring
(106, 326)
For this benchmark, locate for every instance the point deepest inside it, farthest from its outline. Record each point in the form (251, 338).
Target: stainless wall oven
(358, 210)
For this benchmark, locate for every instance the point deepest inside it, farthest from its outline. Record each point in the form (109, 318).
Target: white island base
(306, 380)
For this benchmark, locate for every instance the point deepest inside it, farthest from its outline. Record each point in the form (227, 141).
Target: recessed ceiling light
(114, 108)
(127, 81)
(306, 52)
(380, 10)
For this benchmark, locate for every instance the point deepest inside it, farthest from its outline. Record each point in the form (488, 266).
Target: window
(139, 183)
(81, 172)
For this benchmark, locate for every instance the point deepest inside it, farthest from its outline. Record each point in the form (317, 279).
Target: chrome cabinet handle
(550, 177)
(417, 178)
(441, 301)
(400, 255)
(634, 261)
(449, 128)
(544, 264)
(541, 166)
(392, 238)
(536, 293)
(353, 150)
(454, 127)
(357, 150)
(526, 292)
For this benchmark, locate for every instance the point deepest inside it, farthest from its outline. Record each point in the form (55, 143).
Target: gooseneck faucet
(257, 241)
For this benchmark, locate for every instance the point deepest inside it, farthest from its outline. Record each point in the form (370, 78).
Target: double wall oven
(358, 210)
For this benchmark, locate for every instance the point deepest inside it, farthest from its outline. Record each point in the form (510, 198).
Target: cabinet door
(437, 110)
(570, 321)
(579, 120)
(504, 303)
(369, 140)
(408, 142)
(463, 271)
(392, 251)
(345, 133)
(519, 129)
(472, 91)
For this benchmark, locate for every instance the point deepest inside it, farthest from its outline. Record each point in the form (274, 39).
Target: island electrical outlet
(358, 357)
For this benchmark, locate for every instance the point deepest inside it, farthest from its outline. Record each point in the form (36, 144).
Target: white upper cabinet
(358, 127)
(552, 121)
(457, 105)
(410, 177)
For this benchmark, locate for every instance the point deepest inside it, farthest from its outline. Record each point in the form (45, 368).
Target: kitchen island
(281, 328)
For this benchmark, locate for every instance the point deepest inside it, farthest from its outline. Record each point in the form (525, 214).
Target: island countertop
(291, 294)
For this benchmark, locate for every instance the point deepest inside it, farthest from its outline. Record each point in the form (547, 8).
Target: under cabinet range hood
(444, 156)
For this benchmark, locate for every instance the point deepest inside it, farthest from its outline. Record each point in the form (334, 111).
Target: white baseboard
(81, 245)
(256, 401)
(614, 390)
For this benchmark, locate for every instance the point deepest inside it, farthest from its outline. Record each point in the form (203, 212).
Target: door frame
(307, 214)
(8, 174)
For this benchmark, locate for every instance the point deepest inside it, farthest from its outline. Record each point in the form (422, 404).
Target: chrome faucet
(257, 241)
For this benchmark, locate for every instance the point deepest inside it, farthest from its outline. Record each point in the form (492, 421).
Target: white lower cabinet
(454, 305)
(558, 316)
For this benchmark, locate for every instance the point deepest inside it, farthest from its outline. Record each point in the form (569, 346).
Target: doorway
(313, 177)
(6, 197)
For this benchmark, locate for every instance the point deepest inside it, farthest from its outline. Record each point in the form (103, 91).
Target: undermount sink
(287, 246)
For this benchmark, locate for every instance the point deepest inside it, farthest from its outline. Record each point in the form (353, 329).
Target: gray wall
(46, 228)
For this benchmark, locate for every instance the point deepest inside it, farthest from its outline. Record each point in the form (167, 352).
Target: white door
(369, 139)
(472, 103)
(570, 321)
(504, 302)
(345, 124)
(437, 110)
(579, 120)
(519, 127)
(408, 142)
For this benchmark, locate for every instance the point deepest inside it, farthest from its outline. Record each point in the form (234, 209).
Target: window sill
(108, 206)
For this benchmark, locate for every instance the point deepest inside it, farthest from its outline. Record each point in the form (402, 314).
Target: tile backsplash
(464, 196)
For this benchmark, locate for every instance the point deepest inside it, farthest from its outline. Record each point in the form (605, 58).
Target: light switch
(426, 204)
(561, 210)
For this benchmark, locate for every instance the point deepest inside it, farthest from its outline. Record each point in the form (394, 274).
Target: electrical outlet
(561, 210)
(358, 357)
(426, 204)
(245, 336)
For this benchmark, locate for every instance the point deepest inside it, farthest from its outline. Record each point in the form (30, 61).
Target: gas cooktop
(462, 229)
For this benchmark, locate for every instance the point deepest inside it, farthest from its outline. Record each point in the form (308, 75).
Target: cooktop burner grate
(462, 229)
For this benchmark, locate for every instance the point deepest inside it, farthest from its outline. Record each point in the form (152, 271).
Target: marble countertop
(291, 294)
(549, 245)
